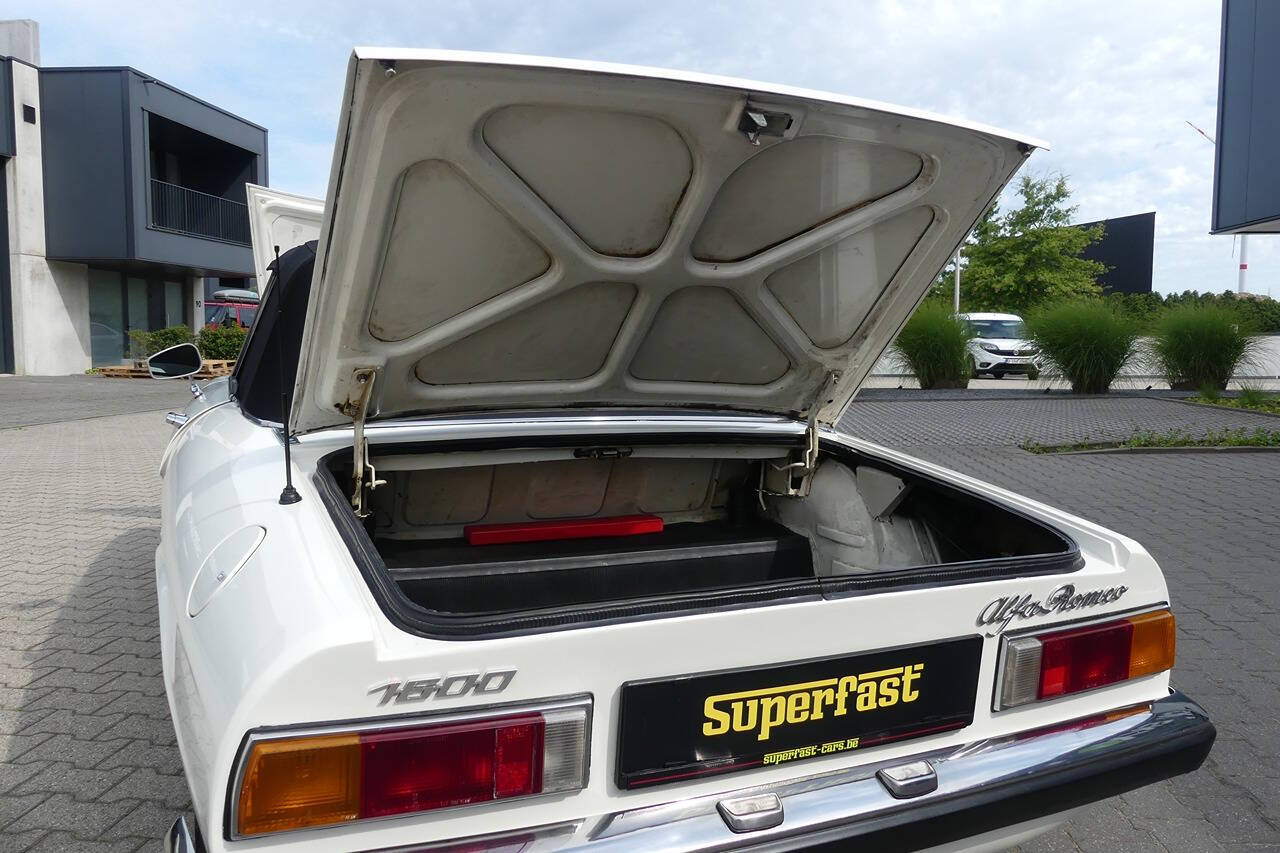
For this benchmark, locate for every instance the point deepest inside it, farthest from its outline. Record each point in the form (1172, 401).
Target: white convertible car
(522, 524)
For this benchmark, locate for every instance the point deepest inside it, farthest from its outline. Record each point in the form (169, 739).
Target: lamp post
(955, 301)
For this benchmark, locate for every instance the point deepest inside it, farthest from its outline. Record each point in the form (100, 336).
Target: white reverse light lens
(564, 750)
(1021, 672)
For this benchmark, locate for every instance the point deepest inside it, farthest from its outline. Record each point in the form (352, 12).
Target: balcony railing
(188, 211)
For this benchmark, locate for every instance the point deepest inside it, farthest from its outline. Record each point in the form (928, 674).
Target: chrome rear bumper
(980, 787)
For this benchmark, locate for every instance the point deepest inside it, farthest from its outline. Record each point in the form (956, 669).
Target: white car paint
(292, 634)
(296, 637)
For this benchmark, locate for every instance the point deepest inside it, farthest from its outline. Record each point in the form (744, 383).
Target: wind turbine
(1244, 238)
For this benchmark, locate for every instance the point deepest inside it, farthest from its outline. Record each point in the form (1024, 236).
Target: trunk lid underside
(511, 232)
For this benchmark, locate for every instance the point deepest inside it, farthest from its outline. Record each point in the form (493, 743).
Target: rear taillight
(1060, 663)
(332, 777)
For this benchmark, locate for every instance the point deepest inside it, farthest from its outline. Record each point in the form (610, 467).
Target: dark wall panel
(86, 182)
(8, 145)
(1127, 248)
(6, 293)
(1246, 185)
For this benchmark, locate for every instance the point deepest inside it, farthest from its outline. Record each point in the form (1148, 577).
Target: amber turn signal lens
(300, 782)
(1154, 643)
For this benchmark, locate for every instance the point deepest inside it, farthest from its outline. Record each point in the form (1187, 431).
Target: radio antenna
(288, 495)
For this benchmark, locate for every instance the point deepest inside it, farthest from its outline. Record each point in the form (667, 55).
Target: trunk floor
(452, 576)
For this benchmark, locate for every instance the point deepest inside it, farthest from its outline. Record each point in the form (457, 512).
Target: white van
(999, 345)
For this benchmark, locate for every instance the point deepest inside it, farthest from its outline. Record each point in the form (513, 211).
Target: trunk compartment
(686, 557)
(864, 526)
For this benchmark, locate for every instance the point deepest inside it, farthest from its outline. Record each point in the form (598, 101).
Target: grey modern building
(123, 196)
(1246, 175)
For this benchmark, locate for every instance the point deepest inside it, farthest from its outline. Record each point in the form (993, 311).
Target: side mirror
(176, 362)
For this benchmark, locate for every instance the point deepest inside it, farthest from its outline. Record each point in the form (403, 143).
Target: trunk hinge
(793, 479)
(357, 408)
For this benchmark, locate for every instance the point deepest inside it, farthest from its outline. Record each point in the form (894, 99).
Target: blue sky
(1108, 84)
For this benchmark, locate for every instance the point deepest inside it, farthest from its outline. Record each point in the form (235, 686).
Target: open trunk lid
(282, 220)
(505, 232)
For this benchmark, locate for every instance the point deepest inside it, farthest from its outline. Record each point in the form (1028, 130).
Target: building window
(175, 303)
(120, 303)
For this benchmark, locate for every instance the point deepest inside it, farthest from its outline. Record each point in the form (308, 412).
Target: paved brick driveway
(87, 760)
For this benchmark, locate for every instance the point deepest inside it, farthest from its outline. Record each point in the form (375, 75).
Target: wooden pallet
(216, 367)
(211, 369)
(124, 371)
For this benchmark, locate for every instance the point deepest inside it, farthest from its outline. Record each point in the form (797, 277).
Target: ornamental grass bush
(1088, 342)
(1201, 346)
(934, 344)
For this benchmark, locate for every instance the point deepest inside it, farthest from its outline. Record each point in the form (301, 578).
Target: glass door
(175, 304)
(136, 313)
(106, 318)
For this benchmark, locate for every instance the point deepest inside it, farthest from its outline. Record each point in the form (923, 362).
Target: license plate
(698, 725)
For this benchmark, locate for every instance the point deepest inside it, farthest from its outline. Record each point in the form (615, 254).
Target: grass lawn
(1241, 437)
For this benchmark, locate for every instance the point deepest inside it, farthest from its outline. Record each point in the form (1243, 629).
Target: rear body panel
(295, 636)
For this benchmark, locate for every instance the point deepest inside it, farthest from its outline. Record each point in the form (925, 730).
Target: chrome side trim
(847, 803)
(375, 724)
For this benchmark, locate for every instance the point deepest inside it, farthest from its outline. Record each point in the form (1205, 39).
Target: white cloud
(1109, 84)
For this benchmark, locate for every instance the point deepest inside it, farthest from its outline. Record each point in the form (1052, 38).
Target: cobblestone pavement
(29, 400)
(1210, 520)
(87, 755)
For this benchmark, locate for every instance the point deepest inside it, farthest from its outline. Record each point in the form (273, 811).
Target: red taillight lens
(413, 770)
(518, 760)
(1059, 663)
(1084, 658)
(291, 783)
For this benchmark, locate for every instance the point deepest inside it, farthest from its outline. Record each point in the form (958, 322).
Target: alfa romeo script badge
(997, 615)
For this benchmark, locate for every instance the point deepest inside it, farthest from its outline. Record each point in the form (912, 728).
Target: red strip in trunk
(541, 531)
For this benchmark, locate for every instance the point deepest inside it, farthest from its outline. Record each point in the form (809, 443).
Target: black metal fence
(188, 211)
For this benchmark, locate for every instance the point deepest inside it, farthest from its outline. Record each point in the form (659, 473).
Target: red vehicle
(231, 307)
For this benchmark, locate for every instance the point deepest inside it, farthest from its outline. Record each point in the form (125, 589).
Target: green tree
(1028, 255)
